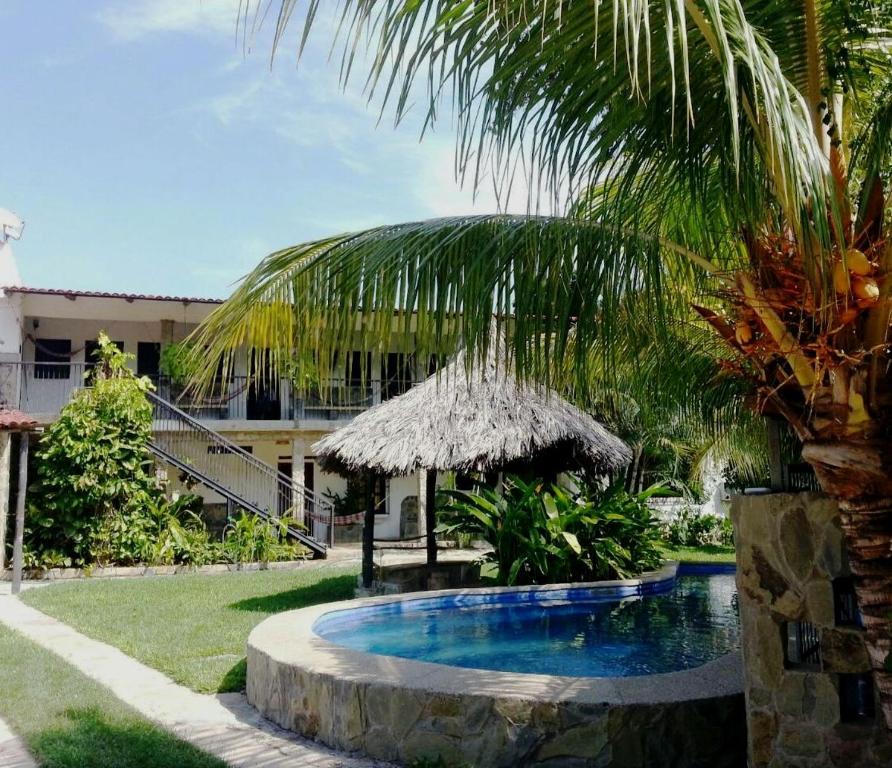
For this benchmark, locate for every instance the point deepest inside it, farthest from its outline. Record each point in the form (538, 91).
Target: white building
(47, 337)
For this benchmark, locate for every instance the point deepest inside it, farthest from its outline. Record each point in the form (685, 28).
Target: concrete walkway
(13, 753)
(224, 725)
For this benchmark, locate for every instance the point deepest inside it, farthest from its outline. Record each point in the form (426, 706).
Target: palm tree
(726, 159)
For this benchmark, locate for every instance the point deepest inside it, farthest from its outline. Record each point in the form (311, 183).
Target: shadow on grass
(90, 738)
(325, 591)
(235, 679)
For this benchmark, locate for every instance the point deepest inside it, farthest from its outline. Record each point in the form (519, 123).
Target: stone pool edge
(392, 708)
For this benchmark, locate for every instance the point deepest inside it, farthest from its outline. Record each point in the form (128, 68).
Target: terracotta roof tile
(13, 420)
(72, 293)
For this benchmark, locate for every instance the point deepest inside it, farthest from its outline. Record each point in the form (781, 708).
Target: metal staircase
(241, 478)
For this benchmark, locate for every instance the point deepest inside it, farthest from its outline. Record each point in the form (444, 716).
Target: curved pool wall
(401, 709)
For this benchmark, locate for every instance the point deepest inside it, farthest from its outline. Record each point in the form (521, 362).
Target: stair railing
(238, 474)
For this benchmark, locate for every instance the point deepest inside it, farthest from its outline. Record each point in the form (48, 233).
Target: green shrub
(250, 539)
(548, 535)
(177, 362)
(96, 499)
(93, 466)
(691, 529)
(160, 533)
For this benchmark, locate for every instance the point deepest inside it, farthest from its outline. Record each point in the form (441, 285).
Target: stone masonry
(790, 549)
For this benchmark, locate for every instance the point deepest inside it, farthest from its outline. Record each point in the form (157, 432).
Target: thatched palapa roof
(477, 421)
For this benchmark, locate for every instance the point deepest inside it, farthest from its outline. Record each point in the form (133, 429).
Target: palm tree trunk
(859, 476)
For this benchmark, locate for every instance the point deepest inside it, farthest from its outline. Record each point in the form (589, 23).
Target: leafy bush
(93, 466)
(160, 533)
(177, 362)
(250, 539)
(691, 529)
(542, 536)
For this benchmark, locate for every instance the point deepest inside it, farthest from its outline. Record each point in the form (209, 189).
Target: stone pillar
(790, 549)
(5, 466)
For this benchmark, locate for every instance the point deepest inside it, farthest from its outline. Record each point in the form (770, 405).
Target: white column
(297, 477)
(421, 476)
(5, 465)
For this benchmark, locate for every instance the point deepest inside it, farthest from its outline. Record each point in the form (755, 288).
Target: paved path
(13, 753)
(224, 725)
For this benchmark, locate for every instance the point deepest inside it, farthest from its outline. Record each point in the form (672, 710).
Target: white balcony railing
(44, 388)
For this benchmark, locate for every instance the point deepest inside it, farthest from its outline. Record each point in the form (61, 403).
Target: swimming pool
(676, 625)
(648, 674)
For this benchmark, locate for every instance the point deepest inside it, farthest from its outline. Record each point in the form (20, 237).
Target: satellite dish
(11, 225)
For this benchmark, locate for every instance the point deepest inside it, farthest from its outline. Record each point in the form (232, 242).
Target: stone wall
(790, 549)
(397, 723)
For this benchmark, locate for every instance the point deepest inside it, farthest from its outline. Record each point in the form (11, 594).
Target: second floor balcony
(42, 389)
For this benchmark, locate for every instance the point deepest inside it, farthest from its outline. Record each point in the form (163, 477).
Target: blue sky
(147, 152)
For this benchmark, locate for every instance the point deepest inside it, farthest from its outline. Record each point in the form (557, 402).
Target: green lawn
(192, 628)
(708, 553)
(70, 721)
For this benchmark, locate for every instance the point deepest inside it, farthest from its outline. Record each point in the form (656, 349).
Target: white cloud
(437, 188)
(137, 18)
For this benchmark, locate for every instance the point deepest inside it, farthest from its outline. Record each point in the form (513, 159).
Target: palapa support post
(368, 534)
(20, 514)
(430, 515)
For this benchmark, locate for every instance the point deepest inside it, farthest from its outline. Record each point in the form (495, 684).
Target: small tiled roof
(73, 294)
(12, 420)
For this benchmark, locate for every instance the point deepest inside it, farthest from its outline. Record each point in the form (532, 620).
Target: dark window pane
(397, 374)
(56, 356)
(359, 368)
(91, 350)
(856, 699)
(802, 645)
(845, 603)
(148, 357)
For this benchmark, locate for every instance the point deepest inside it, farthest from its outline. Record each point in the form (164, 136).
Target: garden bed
(121, 572)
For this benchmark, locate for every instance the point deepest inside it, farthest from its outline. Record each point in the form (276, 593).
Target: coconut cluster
(854, 284)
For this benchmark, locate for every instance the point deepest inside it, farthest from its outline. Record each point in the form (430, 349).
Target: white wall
(80, 331)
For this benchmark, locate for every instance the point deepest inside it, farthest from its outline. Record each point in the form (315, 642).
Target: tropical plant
(251, 539)
(93, 466)
(554, 535)
(688, 528)
(176, 362)
(725, 159)
(160, 532)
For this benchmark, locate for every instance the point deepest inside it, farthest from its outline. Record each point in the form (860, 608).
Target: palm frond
(437, 284)
(569, 87)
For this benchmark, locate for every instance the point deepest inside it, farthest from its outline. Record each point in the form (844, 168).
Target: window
(397, 374)
(359, 369)
(224, 450)
(55, 354)
(802, 645)
(148, 359)
(91, 349)
(856, 700)
(845, 603)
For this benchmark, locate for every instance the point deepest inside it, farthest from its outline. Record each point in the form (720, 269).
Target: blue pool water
(677, 626)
